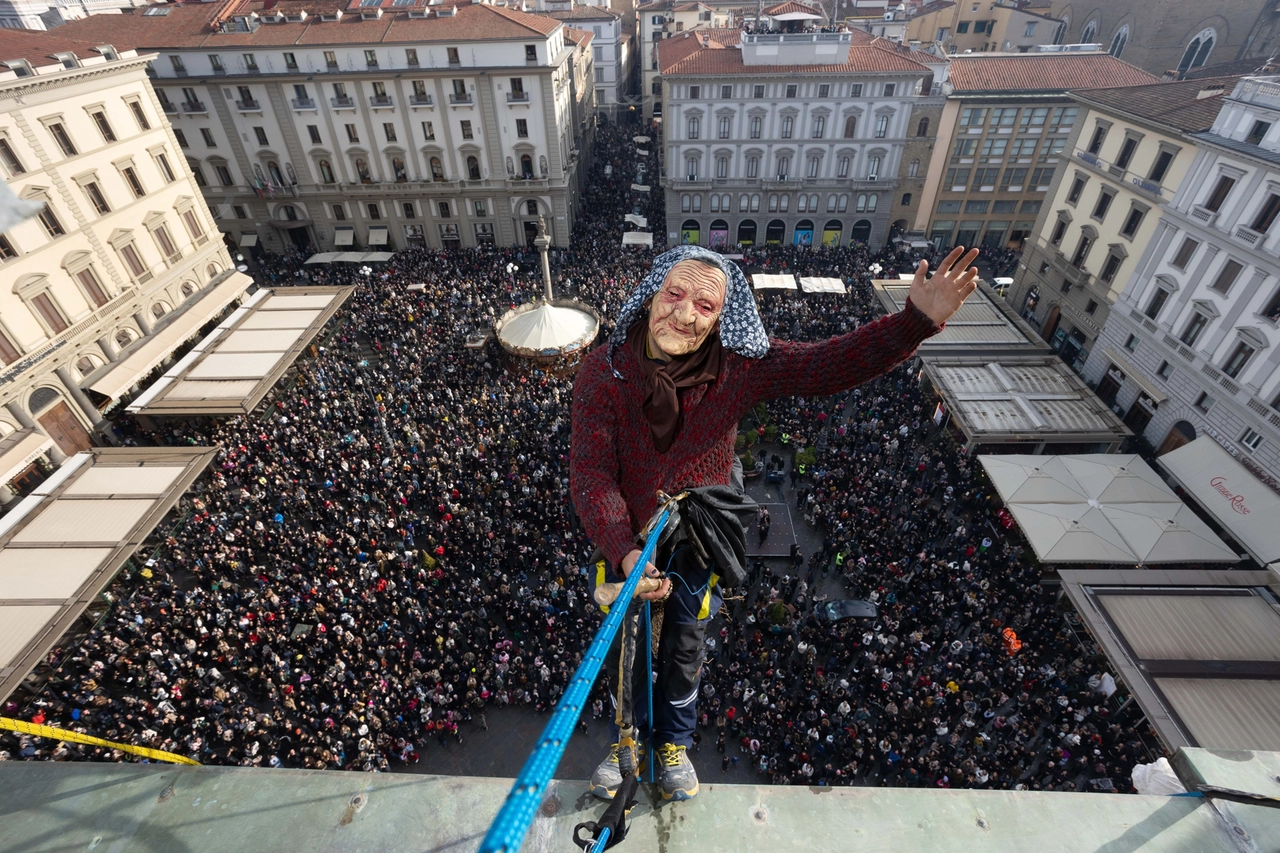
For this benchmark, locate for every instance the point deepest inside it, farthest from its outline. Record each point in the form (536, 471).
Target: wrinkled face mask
(687, 307)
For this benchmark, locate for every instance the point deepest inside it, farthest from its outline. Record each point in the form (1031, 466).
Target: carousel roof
(542, 328)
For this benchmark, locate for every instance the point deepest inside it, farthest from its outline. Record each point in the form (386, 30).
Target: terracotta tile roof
(189, 25)
(38, 46)
(579, 37)
(792, 6)
(1032, 72)
(687, 53)
(584, 13)
(1190, 105)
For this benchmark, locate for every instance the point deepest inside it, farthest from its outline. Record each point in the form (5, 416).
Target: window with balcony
(1227, 276)
(722, 167)
(48, 310)
(1059, 231)
(873, 168)
(753, 167)
(1196, 325)
(811, 168)
(1219, 194)
(1158, 299)
(784, 168)
(1082, 251)
(1266, 215)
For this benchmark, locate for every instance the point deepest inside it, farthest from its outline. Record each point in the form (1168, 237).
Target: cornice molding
(15, 89)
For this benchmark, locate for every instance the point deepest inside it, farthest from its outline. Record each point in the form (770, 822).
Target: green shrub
(770, 432)
(739, 443)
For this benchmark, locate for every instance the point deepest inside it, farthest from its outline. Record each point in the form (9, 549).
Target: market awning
(761, 281)
(344, 235)
(19, 449)
(1101, 508)
(639, 140)
(61, 545)
(640, 152)
(637, 220)
(1150, 389)
(378, 257)
(1243, 504)
(637, 238)
(323, 257)
(236, 365)
(377, 235)
(811, 284)
(248, 239)
(141, 359)
(349, 257)
(639, 188)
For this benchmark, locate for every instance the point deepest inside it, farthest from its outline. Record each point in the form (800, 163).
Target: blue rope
(509, 827)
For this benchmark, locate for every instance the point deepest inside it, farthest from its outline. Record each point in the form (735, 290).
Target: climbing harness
(509, 827)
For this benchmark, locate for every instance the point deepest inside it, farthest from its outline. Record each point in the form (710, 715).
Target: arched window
(159, 310)
(715, 203)
(1197, 52)
(831, 203)
(722, 167)
(211, 271)
(273, 168)
(290, 213)
(850, 127)
(531, 207)
(844, 204)
(1061, 32)
(397, 168)
(686, 204)
(842, 170)
(872, 199)
(85, 366)
(743, 203)
(526, 167)
(124, 337)
(473, 168)
(187, 288)
(784, 166)
(802, 204)
(753, 167)
(755, 204)
(326, 173)
(362, 171)
(1118, 41)
(812, 169)
(922, 127)
(437, 171)
(1089, 33)
(697, 204)
(861, 205)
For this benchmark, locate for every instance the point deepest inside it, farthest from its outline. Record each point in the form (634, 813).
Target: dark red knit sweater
(614, 470)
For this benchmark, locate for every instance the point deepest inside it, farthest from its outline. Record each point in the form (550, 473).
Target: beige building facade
(981, 26)
(122, 250)
(1002, 139)
(1125, 162)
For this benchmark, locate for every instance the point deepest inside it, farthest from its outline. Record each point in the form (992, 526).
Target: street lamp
(875, 270)
(512, 269)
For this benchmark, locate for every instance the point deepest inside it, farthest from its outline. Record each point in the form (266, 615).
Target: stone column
(144, 322)
(109, 348)
(81, 399)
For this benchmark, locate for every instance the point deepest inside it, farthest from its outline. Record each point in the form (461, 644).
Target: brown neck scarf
(661, 379)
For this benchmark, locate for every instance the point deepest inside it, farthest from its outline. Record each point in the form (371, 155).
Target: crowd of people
(386, 549)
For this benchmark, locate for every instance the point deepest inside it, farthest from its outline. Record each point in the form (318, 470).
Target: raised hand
(941, 295)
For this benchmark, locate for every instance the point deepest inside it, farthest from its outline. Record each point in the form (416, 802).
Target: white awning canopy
(248, 239)
(637, 220)
(377, 235)
(19, 449)
(640, 188)
(639, 140)
(1130, 372)
(762, 281)
(811, 284)
(1243, 504)
(547, 328)
(640, 152)
(377, 257)
(141, 359)
(637, 238)
(323, 257)
(1101, 508)
(344, 235)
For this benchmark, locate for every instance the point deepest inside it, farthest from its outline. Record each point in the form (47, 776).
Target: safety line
(37, 730)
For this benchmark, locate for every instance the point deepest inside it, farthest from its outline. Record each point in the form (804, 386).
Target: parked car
(845, 608)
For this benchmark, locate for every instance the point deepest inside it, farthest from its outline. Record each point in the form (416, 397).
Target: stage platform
(782, 533)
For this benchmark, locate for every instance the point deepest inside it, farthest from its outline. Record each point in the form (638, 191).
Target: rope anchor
(612, 826)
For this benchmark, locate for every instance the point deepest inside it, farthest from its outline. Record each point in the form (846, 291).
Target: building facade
(785, 138)
(1162, 36)
(122, 242)
(361, 125)
(1192, 346)
(44, 15)
(664, 19)
(1002, 139)
(1124, 162)
(917, 151)
(612, 51)
(981, 27)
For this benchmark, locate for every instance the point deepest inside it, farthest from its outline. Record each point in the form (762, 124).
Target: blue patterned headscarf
(740, 328)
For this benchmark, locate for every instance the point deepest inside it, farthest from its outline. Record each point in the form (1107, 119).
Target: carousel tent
(762, 281)
(543, 328)
(822, 285)
(1101, 508)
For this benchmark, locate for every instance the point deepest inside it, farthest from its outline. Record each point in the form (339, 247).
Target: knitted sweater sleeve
(839, 363)
(594, 470)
